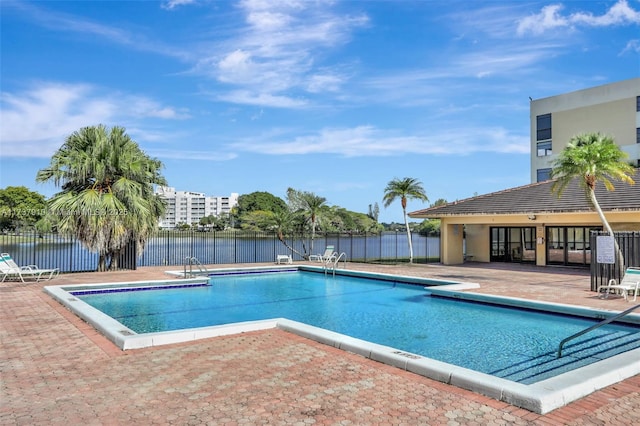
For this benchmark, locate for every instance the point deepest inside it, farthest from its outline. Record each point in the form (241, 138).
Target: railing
(333, 261)
(593, 327)
(193, 261)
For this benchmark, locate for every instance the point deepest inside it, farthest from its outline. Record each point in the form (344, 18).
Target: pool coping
(541, 397)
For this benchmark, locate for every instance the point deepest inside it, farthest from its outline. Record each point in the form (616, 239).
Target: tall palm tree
(592, 157)
(107, 198)
(407, 188)
(309, 204)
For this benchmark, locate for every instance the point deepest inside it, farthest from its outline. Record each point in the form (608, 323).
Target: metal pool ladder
(332, 263)
(593, 327)
(193, 261)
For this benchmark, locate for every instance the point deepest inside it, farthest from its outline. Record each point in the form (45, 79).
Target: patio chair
(9, 268)
(328, 254)
(630, 283)
(286, 258)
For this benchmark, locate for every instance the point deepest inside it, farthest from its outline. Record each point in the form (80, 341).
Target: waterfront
(215, 248)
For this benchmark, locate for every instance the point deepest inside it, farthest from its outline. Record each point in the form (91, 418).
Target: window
(544, 148)
(543, 127)
(637, 134)
(637, 103)
(543, 174)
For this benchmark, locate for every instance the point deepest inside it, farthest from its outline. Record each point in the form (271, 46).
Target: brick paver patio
(55, 369)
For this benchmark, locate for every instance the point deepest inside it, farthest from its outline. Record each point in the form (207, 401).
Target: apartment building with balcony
(188, 207)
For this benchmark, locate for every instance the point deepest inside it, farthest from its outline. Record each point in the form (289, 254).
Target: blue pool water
(515, 344)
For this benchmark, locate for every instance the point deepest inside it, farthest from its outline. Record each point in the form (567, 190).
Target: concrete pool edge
(540, 397)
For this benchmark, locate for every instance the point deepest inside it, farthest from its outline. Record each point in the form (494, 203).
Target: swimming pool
(459, 340)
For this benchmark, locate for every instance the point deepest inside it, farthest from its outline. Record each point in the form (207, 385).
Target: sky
(331, 97)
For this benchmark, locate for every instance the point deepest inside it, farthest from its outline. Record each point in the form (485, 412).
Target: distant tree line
(106, 200)
(23, 209)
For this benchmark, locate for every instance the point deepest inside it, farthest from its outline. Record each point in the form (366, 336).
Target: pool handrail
(593, 327)
(332, 262)
(193, 260)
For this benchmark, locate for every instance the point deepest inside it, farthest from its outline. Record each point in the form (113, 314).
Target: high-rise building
(612, 109)
(187, 207)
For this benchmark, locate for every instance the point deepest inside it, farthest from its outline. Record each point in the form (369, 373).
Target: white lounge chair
(328, 254)
(630, 283)
(9, 268)
(286, 258)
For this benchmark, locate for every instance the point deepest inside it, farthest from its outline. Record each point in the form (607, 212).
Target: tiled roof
(538, 198)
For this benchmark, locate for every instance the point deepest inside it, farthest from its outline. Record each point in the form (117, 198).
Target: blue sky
(332, 97)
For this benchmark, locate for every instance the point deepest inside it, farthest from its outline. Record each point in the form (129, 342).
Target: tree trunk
(313, 233)
(102, 263)
(113, 265)
(281, 238)
(605, 223)
(406, 224)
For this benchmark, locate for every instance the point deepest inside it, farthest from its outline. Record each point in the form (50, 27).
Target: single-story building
(531, 224)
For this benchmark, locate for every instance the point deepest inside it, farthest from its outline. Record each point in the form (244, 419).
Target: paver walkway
(55, 369)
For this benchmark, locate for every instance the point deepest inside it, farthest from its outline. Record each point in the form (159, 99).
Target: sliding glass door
(569, 245)
(513, 244)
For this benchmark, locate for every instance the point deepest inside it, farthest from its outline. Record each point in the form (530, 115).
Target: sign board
(605, 247)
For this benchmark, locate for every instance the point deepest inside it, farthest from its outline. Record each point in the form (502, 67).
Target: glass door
(513, 244)
(498, 245)
(568, 245)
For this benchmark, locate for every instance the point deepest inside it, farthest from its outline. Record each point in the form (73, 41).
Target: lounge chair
(286, 258)
(9, 268)
(328, 254)
(630, 283)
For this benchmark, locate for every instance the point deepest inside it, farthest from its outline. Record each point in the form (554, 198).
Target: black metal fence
(601, 273)
(168, 248)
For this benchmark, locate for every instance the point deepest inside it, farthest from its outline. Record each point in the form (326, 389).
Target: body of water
(171, 248)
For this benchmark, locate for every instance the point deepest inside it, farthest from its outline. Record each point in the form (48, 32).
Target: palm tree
(107, 198)
(309, 204)
(407, 188)
(592, 157)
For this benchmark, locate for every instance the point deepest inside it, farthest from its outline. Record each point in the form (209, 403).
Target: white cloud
(632, 46)
(268, 21)
(36, 122)
(262, 99)
(550, 17)
(505, 60)
(278, 52)
(143, 107)
(64, 22)
(191, 154)
(319, 83)
(619, 14)
(369, 141)
(456, 78)
(172, 4)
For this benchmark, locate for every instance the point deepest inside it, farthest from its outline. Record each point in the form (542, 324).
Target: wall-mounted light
(532, 217)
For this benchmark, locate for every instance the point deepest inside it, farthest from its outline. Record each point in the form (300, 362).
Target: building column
(451, 244)
(541, 246)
